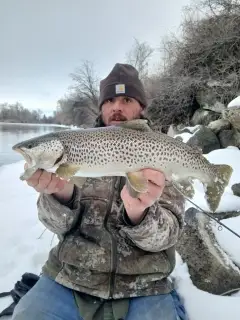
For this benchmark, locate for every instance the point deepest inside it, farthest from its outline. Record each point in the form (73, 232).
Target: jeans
(48, 300)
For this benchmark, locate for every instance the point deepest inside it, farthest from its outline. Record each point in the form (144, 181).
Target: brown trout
(123, 150)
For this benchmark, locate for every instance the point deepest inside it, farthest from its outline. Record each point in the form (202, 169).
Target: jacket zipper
(114, 243)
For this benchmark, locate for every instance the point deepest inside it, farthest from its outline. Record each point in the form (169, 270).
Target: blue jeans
(48, 300)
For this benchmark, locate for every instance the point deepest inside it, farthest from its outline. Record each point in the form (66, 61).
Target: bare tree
(86, 82)
(220, 6)
(139, 56)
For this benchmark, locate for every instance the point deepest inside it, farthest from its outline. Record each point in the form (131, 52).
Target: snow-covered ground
(23, 251)
(20, 247)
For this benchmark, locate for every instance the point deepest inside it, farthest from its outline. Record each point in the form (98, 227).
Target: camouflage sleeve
(162, 224)
(56, 216)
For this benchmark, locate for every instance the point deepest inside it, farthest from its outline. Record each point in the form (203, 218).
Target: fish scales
(123, 150)
(131, 150)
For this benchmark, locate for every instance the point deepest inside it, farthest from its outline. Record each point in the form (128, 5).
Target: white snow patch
(20, 247)
(200, 304)
(228, 241)
(185, 136)
(229, 201)
(234, 103)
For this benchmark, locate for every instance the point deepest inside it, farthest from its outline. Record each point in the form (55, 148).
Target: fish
(124, 149)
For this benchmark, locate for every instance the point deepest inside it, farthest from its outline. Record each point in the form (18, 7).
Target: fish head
(44, 152)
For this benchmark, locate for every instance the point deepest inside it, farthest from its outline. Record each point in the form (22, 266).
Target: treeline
(204, 61)
(18, 114)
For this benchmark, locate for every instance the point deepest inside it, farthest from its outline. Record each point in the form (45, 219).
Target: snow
(23, 251)
(229, 202)
(200, 304)
(228, 241)
(230, 156)
(185, 136)
(234, 103)
(193, 129)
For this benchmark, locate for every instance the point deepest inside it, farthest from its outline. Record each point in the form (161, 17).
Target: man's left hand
(135, 207)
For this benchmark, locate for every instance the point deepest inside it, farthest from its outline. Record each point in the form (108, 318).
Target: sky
(42, 42)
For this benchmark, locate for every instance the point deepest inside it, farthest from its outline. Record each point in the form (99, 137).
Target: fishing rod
(215, 219)
(209, 215)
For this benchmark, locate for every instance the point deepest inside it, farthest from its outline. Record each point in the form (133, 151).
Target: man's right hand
(47, 182)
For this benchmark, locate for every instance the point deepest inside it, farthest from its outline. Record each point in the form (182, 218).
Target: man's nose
(117, 105)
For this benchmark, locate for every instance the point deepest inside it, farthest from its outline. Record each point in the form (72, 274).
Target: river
(11, 133)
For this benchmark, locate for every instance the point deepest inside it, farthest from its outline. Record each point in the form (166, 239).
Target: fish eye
(29, 146)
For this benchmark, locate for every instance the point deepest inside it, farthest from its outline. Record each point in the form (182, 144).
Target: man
(115, 252)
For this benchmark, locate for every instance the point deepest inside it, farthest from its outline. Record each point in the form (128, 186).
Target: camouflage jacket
(100, 253)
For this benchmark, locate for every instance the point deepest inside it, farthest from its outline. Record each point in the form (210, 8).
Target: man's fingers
(154, 176)
(144, 199)
(55, 185)
(34, 179)
(131, 203)
(44, 181)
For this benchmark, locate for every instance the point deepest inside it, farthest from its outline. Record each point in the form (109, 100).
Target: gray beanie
(122, 80)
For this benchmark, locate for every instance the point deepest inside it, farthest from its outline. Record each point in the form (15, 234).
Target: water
(11, 133)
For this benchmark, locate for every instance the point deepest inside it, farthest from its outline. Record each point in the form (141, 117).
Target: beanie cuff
(128, 89)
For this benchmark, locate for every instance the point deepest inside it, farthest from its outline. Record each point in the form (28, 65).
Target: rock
(178, 129)
(233, 116)
(218, 125)
(226, 215)
(204, 117)
(229, 138)
(207, 97)
(205, 139)
(210, 268)
(236, 189)
(216, 107)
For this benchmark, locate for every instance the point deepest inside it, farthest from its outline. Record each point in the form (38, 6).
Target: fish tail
(215, 190)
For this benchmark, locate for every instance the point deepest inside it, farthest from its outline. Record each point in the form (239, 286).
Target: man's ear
(142, 112)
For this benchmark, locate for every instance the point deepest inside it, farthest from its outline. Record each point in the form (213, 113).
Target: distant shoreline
(35, 124)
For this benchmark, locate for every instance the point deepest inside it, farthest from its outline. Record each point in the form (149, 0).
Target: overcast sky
(41, 42)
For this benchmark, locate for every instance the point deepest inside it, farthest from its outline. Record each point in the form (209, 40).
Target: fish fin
(136, 183)
(171, 132)
(78, 181)
(185, 187)
(215, 190)
(67, 171)
(28, 172)
(133, 193)
(137, 124)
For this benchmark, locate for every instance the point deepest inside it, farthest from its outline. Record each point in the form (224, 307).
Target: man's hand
(135, 207)
(47, 182)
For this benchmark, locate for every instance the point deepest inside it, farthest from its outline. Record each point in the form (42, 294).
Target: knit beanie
(123, 80)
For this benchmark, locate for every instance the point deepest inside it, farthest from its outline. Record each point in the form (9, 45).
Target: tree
(86, 82)
(220, 6)
(139, 56)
